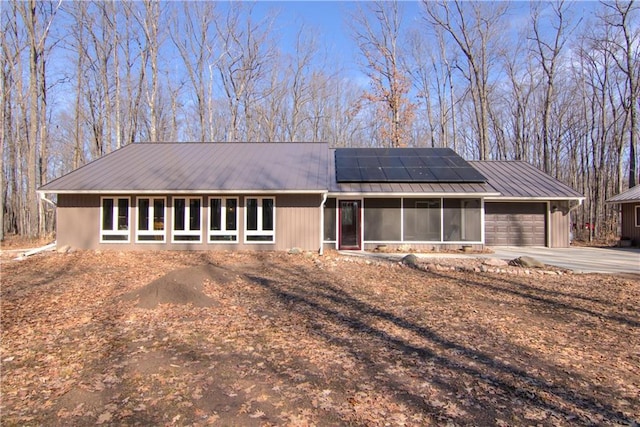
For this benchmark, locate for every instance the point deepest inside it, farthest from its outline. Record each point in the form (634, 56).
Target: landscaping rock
(410, 261)
(526, 261)
(64, 249)
(495, 262)
(294, 251)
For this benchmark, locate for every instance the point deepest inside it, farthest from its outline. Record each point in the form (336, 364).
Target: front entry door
(349, 224)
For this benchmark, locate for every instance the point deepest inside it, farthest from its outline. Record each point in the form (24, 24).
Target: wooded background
(558, 89)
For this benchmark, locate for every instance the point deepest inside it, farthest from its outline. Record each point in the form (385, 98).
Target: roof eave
(536, 198)
(621, 202)
(406, 194)
(168, 191)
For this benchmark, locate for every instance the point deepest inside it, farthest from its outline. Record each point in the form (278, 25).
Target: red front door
(350, 234)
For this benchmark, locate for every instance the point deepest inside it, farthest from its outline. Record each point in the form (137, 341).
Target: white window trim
(151, 231)
(259, 231)
(223, 222)
(637, 218)
(187, 231)
(114, 216)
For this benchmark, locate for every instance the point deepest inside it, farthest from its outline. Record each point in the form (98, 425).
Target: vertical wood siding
(559, 229)
(297, 224)
(298, 221)
(78, 221)
(629, 229)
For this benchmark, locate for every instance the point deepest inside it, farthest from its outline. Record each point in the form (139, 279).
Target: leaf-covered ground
(277, 339)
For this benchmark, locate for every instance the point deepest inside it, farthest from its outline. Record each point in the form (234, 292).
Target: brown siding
(629, 229)
(298, 221)
(78, 221)
(297, 225)
(559, 226)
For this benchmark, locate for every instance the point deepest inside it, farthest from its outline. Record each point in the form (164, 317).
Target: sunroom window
(187, 220)
(422, 220)
(151, 219)
(260, 220)
(115, 216)
(462, 220)
(223, 220)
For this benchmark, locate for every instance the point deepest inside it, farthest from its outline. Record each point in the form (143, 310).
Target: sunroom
(416, 222)
(418, 198)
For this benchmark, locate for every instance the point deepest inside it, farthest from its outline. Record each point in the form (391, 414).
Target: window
(114, 214)
(187, 219)
(260, 220)
(151, 220)
(637, 209)
(382, 220)
(330, 220)
(223, 220)
(462, 221)
(422, 218)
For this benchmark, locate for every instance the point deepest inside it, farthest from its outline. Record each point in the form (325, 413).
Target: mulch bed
(179, 338)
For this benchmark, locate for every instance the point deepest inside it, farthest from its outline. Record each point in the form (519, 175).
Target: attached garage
(515, 224)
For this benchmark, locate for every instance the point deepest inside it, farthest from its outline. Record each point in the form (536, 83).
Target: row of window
(187, 218)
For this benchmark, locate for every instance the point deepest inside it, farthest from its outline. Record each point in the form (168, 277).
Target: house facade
(629, 202)
(276, 196)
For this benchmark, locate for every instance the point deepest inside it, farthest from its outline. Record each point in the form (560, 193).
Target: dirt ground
(178, 338)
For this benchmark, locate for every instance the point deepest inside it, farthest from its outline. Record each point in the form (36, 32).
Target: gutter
(172, 192)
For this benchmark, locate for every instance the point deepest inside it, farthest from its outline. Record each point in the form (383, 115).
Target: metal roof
(201, 167)
(520, 180)
(407, 188)
(279, 167)
(632, 195)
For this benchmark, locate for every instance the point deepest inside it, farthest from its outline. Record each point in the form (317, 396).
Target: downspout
(576, 205)
(324, 200)
(44, 199)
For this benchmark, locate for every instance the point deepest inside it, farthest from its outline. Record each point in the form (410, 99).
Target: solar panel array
(403, 165)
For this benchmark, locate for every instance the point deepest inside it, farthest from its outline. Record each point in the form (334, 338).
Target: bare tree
(379, 43)
(243, 67)
(549, 54)
(192, 37)
(627, 57)
(37, 19)
(474, 27)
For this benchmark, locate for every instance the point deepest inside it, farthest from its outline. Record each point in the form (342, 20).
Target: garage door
(515, 224)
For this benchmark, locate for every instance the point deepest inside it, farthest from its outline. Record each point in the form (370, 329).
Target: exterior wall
(297, 224)
(559, 225)
(629, 229)
(78, 221)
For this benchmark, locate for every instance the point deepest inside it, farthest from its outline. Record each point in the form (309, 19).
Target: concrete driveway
(578, 259)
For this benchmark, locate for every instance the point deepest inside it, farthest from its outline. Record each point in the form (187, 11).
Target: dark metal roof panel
(632, 195)
(517, 179)
(202, 167)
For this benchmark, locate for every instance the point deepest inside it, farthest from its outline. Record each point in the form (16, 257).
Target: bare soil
(178, 338)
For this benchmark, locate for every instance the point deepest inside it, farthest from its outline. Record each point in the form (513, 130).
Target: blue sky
(328, 19)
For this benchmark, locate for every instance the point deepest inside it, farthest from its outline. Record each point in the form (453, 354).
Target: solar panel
(403, 165)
